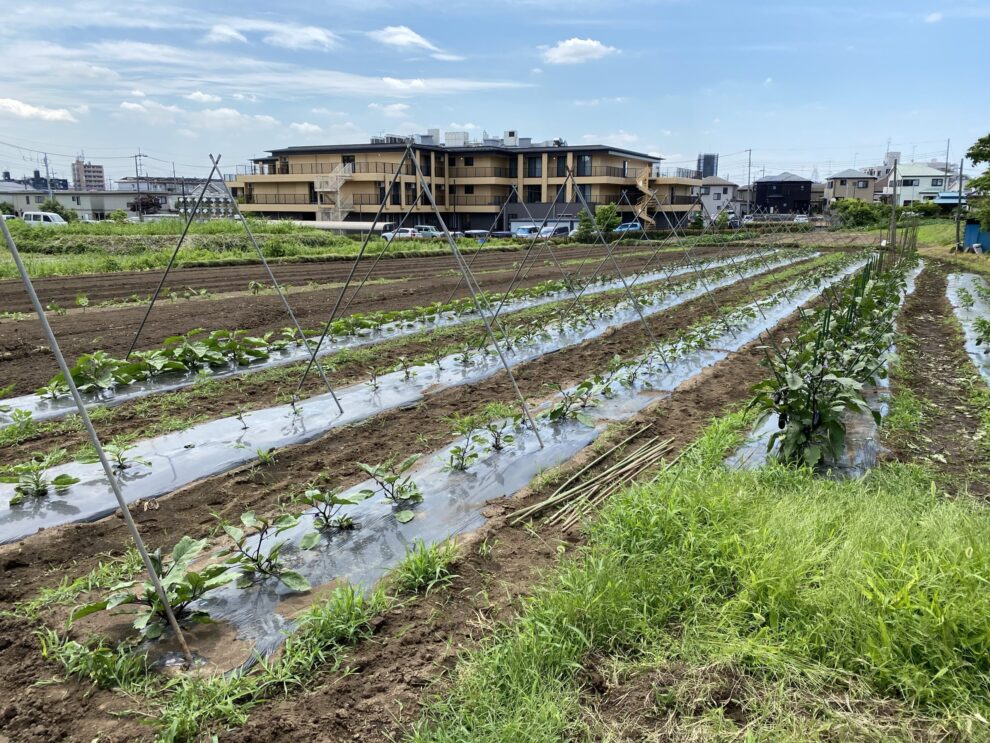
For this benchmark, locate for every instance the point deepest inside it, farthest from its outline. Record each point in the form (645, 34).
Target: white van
(45, 219)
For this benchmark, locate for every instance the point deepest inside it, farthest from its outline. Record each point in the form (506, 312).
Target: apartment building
(87, 176)
(471, 182)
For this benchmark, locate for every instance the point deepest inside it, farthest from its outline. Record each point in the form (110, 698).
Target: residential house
(717, 195)
(916, 182)
(785, 193)
(471, 182)
(850, 184)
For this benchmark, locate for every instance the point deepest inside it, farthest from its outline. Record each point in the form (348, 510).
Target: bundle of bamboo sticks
(582, 493)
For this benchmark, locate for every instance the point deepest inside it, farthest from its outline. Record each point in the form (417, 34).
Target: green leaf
(585, 419)
(234, 533)
(294, 580)
(86, 609)
(404, 517)
(250, 520)
(309, 540)
(63, 481)
(186, 549)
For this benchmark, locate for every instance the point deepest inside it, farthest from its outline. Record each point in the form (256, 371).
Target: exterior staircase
(333, 205)
(643, 205)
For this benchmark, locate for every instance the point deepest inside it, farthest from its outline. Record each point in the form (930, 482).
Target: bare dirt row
(28, 364)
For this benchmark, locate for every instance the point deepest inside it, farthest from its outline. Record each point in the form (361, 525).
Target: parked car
(428, 231)
(403, 233)
(10, 216)
(629, 227)
(527, 231)
(749, 219)
(45, 219)
(734, 223)
(555, 230)
(801, 219)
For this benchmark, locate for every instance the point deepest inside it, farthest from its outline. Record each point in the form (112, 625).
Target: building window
(534, 166)
(533, 194)
(513, 167)
(861, 184)
(583, 165)
(717, 197)
(451, 161)
(937, 181)
(396, 196)
(584, 189)
(75, 199)
(39, 199)
(469, 190)
(453, 190)
(347, 159)
(842, 182)
(725, 189)
(561, 166)
(468, 162)
(910, 182)
(705, 190)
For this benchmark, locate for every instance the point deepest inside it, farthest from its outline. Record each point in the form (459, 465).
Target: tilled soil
(28, 363)
(412, 645)
(937, 369)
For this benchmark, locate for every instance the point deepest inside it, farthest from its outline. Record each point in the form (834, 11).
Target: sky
(810, 87)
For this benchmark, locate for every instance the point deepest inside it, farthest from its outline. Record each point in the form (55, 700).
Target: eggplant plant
(30, 479)
(501, 420)
(965, 298)
(255, 558)
(327, 504)
(982, 327)
(182, 587)
(391, 480)
(468, 429)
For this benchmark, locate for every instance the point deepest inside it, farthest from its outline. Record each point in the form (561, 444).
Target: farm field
(420, 568)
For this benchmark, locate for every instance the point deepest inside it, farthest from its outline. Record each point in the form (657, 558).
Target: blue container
(973, 235)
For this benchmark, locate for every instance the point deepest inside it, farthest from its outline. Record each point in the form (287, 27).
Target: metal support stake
(95, 439)
(278, 289)
(459, 259)
(350, 275)
(171, 261)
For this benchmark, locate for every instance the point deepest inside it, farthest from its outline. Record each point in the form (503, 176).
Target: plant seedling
(373, 380)
(406, 367)
(397, 487)
(266, 457)
(30, 480)
(465, 454)
(327, 505)
(182, 587)
(500, 421)
(251, 557)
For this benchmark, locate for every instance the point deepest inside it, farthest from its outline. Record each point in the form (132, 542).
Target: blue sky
(806, 85)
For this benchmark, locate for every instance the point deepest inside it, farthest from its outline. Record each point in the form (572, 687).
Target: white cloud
(536, 71)
(22, 110)
(933, 17)
(575, 51)
(305, 128)
(324, 111)
(402, 37)
(229, 118)
(152, 112)
(81, 109)
(593, 102)
(768, 82)
(249, 97)
(223, 34)
(454, 126)
(621, 137)
(200, 97)
(392, 110)
(446, 57)
(158, 114)
(137, 93)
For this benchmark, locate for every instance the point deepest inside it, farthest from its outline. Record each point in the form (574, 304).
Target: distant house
(717, 195)
(916, 182)
(785, 193)
(850, 184)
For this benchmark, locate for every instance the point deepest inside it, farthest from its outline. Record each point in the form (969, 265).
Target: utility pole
(959, 245)
(946, 182)
(893, 208)
(749, 181)
(48, 178)
(137, 185)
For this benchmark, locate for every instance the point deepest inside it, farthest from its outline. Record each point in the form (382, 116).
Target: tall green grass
(875, 588)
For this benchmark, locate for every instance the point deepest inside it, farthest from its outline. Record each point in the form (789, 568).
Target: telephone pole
(749, 181)
(48, 178)
(137, 185)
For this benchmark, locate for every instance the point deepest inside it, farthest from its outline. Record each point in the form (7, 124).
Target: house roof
(918, 170)
(464, 150)
(851, 173)
(785, 176)
(714, 180)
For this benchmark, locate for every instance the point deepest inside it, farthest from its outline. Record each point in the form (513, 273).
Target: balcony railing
(470, 171)
(476, 200)
(604, 171)
(277, 198)
(385, 168)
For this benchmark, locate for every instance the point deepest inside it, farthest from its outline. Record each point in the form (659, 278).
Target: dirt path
(28, 364)
(937, 371)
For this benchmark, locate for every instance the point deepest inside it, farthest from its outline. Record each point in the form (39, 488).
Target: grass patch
(425, 567)
(874, 589)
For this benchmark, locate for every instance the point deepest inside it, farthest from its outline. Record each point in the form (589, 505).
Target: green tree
(979, 153)
(722, 220)
(607, 218)
(118, 215)
(7, 208)
(585, 228)
(52, 205)
(855, 213)
(923, 209)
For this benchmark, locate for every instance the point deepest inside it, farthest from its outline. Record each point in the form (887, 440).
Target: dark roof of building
(465, 150)
(714, 180)
(785, 176)
(851, 173)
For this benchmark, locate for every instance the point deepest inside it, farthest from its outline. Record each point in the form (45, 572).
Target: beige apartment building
(471, 182)
(87, 176)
